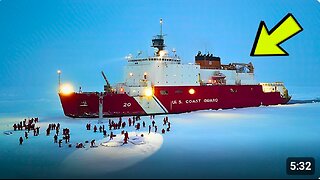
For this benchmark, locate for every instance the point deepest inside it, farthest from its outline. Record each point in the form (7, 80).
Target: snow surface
(234, 143)
(103, 159)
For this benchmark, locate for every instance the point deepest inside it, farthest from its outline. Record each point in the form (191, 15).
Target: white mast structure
(59, 80)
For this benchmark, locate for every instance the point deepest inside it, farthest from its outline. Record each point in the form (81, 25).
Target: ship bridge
(160, 54)
(161, 69)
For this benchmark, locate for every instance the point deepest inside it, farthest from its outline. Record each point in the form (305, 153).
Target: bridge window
(164, 92)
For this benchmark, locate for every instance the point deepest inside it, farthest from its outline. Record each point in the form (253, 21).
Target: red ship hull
(177, 99)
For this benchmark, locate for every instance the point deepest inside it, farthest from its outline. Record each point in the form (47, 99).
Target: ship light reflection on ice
(66, 89)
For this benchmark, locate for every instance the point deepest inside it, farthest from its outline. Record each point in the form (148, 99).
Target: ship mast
(59, 80)
(161, 27)
(158, 41)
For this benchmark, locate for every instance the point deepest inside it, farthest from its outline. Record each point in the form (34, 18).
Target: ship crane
(107, 87)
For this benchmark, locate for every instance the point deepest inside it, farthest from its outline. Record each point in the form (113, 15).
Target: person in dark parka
(20, 140)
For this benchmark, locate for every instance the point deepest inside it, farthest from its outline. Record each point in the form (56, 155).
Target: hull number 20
(126, 104)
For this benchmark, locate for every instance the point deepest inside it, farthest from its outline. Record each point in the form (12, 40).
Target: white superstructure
(141, 74)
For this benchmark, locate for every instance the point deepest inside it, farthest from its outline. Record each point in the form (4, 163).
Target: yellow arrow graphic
(267, 43)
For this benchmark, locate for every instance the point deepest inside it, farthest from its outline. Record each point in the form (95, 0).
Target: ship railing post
(100, 108)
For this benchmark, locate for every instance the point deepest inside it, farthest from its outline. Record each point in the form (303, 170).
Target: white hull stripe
(150, 105)
(160, 104)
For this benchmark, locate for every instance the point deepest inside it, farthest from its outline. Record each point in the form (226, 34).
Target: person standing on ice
(153, 122)
(138, 126)
(126, 137)
(95, 128)
(111, 135)
(68, 138)
(110, 125)
(169, 126)
(20, 140)
(24, 122)
(164, 121)
(129, 121)
(55, 138)
(143, 124)
(155, 129)
(26, 135)
(28, 127)
(149, 129)
(14, 127)
(60, 142)
(93, 143)
(48, 131)
(57, 131)
(37, 129)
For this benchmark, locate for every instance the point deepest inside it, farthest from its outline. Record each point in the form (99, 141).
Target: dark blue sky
(84, 37)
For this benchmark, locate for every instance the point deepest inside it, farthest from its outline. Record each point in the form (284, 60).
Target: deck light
(191, 91)
(66, 89)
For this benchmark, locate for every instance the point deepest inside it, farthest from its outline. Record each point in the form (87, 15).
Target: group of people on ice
(27, 125)
(30, 124)
(134, 121)
(52, 127)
